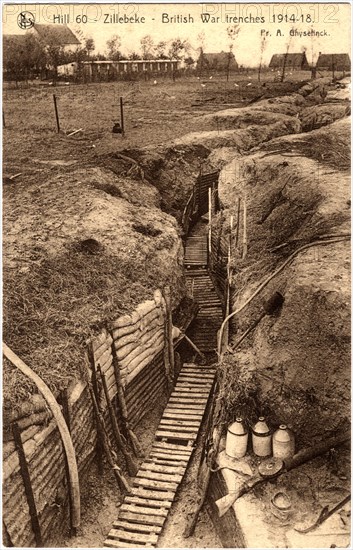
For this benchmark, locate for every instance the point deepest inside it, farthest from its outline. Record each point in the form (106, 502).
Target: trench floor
(145, 509)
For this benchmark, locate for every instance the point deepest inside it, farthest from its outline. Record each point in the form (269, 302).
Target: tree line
(28, 56)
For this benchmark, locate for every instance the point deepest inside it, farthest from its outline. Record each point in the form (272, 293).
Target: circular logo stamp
(25, 20)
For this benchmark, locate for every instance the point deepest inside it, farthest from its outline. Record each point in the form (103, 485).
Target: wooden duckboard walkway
(146, 507)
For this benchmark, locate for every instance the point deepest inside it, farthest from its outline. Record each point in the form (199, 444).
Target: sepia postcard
(176, 275)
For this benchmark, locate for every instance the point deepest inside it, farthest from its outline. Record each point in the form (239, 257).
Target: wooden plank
(187, 400)
(168, 478)
(191, 397)
(141, 518)
(186, 389)
(151, 503)
(132, 527)
(176, 435)
(168, 462)
(146, 493)
(191, 408)
(182, 416)
(177, 422)
(128, 536)
(153, 512)
(172, 446)
(151, 467)
(174, 454)
(111, 543)
(196, 379)
(152, 484)
(177, 428)
(164, 456)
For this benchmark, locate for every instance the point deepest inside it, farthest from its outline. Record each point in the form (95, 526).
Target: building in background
(56, 35)
(291, 61)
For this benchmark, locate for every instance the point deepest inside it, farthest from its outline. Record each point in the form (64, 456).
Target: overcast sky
(331, 19)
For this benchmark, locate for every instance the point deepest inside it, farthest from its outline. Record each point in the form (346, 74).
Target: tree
(113, 47)
(232, 32)
(189, 61)
(263, 45)
(134, 56)
(160, 50)
(89, 46)
(147, 47)
(201, 38)
(176, 50)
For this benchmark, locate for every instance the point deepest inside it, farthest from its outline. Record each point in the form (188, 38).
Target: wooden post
(245, 238)
(120, 441)
(56, 113)
(3, 119)
(122, 403)
(27, 485)
(100, 443)
(169, 355)
(64, 401)
(238, 223)
(210, 226)
(122, 117)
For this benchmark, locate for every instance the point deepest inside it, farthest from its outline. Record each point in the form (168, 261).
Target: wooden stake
(27, 485)
(56, 113)
(169, 333)
(121, 443)
(238, 223)
(210, 224)
(122, 404)
(122, 482)
(100, 446)
(122, 117)
(245, 238)
(64, 401)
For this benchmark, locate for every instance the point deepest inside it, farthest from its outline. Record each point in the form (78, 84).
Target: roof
(220, 58)
(121, 61)
(57, 35)
(292, 59)
(340, 61)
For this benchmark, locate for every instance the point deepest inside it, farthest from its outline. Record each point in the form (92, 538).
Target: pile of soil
(299, 358)
(65, 277)
(171, 169)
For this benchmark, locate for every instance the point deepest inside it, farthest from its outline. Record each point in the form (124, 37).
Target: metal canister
(237, 439)
(283, 444)
(261, 438)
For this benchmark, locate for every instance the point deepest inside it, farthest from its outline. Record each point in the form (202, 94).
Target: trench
(146, 507)
(206, 282)
(144, 512)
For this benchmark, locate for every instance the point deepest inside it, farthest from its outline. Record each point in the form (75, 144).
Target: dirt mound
(329, 145)
(65, 276)
(288, 105)
(242, 139)
(298, 361)
(171, 170)
(320, 115)
(243, 118)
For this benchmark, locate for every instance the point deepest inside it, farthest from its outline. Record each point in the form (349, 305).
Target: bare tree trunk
(284, 66)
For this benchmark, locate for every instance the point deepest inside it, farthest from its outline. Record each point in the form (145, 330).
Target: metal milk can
(237, 439)
(283, 444)
(261, 438)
